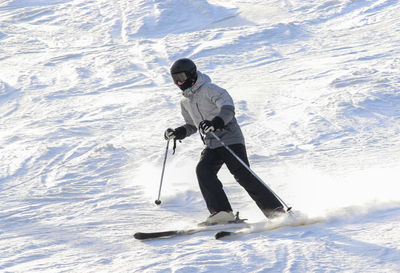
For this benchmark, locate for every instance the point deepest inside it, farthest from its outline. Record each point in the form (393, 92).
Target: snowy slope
(85, 96)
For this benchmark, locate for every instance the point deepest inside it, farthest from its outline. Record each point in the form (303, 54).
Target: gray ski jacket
(204, 101)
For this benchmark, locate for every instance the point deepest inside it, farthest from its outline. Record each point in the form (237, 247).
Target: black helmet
(184, 73)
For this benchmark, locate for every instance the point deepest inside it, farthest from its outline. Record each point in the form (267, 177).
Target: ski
(163, 234)
(288, 221)
(201, 227)
(237, 224)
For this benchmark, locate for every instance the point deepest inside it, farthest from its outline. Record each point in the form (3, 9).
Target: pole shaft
(248, 168)
(163, 169)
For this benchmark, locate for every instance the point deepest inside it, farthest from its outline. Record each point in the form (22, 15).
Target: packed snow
(85, 96)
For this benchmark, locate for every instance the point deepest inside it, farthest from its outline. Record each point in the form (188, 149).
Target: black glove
(210, 126)
(177, 133)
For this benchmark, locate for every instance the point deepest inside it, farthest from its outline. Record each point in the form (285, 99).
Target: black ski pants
(211, 187)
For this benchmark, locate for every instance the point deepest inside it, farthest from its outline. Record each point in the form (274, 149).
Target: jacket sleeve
(221, 98)
(189, 124)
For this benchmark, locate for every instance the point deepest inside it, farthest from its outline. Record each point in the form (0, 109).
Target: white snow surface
(85, 96)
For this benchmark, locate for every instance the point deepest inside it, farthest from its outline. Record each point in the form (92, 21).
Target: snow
(85, 96)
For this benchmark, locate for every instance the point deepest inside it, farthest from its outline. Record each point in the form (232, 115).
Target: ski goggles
(179, 77)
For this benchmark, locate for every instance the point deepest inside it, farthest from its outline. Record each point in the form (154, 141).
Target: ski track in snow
(85, 96)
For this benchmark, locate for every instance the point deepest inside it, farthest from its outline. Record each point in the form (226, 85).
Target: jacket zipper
(198, 109)
(202, 118)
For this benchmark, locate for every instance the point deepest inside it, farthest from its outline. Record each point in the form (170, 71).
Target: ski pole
(158, 201)
(250, 170)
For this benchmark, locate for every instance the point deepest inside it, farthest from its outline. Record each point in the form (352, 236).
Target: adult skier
(209, 108)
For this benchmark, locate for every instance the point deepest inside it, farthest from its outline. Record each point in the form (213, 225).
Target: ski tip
(137, 235)
(142, 236)
(223, 234)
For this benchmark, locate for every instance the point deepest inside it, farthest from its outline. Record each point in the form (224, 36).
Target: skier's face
(179, 78)
(182, 80)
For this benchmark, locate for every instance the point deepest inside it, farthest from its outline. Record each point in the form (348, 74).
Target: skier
(210, 108)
